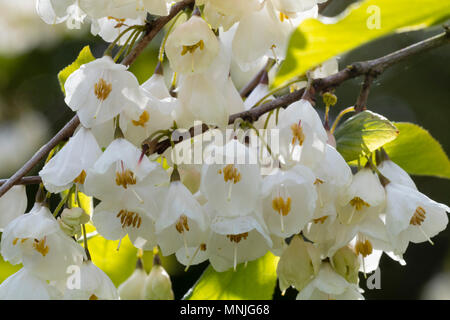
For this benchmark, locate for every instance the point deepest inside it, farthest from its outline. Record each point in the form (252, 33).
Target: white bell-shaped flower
(12, 205)
(298, 264)
(231, 179)
(289, 200)
(237, 240)
(364, 196)
(71, 220)
(92, 284)
(412, 217)
(302, 136)
(328, 285)
(114, 220)
(36, 240)
(24, 285)
(72, 162)
(192, 46)
(109, 27)
(58, 11)
(123, 173)
(100, 90)
(182, 222)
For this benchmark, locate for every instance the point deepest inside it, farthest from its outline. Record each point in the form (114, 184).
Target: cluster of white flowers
(326, 223)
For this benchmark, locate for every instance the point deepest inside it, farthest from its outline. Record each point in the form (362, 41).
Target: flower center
(143, 119)
(39, 246)
(418, 217)
(120, 22)
(297, 133)
(281, 206)
(320, 220)
(230, 173)
(129, 218)
(236, 238)
(125, 177)
(203, 247)
(358, 203)
(182, 224)
(191, 49)
(363, 247)
(102, 89)
(81, 177)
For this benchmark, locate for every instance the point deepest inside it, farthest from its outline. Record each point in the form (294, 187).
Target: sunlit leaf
(417, 152)
(84, 57)
(363, 133)
(256, 281)
(315, 42)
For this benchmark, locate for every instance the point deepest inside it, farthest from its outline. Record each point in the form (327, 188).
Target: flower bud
(298, 264)
(71, 220)
(346, 264)
(158, 285)
(132, 288)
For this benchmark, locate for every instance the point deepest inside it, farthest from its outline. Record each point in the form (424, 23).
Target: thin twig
(361, 102)
(24, 180)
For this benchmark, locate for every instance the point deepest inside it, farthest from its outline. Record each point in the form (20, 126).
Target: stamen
(129, 218)
(102, 89)
(237, 237)
(182, 224)
(297, 133)
(81, 178)
(235, 256)
(191, 49)
(39, 246)
(418, 217)
(125, 178)
(143, 119)
(320, 220)
(358, 203)
(192, 258)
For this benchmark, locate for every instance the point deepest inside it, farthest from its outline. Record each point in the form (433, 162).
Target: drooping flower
(157, 286)
(182, 222)
(192, 46)
(302, 135)
(100, 90)
(72, 162)
(93, 284)
(132, 288)
(328, 285)
(36, 240)
(289, 200)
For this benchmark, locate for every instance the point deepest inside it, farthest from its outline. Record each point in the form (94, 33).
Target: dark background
(417, 90)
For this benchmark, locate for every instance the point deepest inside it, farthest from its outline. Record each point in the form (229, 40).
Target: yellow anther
(282, 207)
(93, 297)
(237, 237)
(39, 246)
(125, 178)
(358, 203)
(318, 181)
(320, 220)
(120, 22)
(81, 178)
(129, 218)
(363, 248)
(191, 49)
(283, 17)
(143, 119)
(297, 133)
(102, 89)
(418, 217)
(230, 173)
(182, 224)
(203, 247)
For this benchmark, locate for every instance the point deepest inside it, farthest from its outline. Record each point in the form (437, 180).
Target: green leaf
(417, 152)
(84, 57)
(363, 133)
(117, 264)
(256, 281)
(315, 42)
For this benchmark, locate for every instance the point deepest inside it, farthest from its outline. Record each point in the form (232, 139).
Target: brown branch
(361, 102)
(24, 180)
(245, 91)
(67, 131)
(372, 67)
